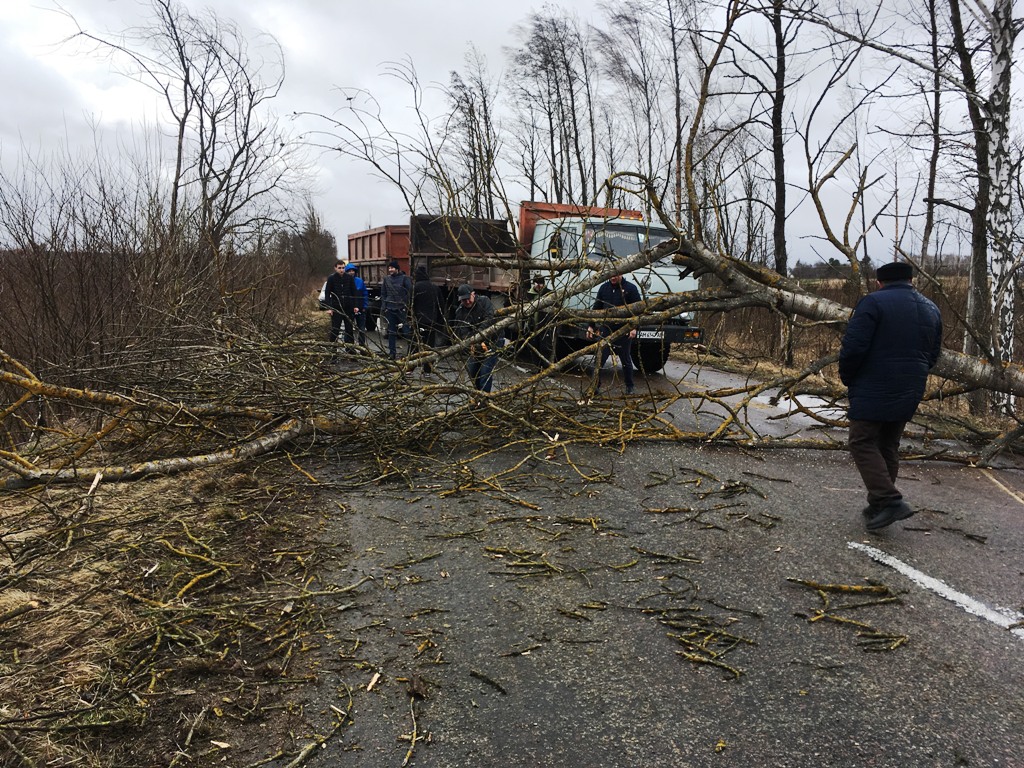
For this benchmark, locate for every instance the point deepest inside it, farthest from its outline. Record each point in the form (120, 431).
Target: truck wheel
(650, 356)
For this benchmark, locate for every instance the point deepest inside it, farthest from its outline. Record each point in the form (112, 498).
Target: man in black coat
(617, 292)
(426, 311)
(340, 298)
(892, 340)
(474, 315)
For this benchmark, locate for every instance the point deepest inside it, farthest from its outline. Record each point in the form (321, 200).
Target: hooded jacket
(891, 342)
(360, 286)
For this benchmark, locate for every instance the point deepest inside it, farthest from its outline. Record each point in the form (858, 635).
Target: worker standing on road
(473, 315)
(541, 333)
(395, 298)
(892, 340)
(617, 292)
(339, 298)
(426, 311)
(362, 302)
(537, 289)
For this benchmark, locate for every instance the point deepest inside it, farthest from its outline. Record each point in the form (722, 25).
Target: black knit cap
(894, 272)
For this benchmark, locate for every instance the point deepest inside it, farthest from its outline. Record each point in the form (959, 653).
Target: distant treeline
(941, 265)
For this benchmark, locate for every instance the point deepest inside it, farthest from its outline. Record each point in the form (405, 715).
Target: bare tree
(553, 69)
(123, 257)
(230, 158)
(633, 62)
(526, 140)
(770, 70)
(1002, 31)
(988, 333)
(476, 141)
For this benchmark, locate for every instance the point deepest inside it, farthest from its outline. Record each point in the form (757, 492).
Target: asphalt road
(670, 605)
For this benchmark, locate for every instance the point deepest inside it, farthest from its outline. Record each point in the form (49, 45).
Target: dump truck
(453, 249)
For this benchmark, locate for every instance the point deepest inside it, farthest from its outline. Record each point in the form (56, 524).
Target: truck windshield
(618, 241)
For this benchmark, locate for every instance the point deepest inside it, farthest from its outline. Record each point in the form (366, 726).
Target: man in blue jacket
(363, 303)
(892, 340)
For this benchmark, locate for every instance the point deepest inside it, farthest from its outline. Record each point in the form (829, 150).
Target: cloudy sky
(55, 94)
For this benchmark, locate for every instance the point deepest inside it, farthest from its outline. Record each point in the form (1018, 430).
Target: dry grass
(128, 611)
(755, 332)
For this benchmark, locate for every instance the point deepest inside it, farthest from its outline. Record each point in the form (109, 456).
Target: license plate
(650, 334)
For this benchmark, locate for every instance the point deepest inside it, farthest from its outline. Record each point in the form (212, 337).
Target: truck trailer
(453, 249)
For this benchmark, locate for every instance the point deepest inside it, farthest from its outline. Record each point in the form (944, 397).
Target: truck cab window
(609, 241)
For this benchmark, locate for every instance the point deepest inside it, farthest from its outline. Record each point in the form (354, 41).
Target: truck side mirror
(555, 246)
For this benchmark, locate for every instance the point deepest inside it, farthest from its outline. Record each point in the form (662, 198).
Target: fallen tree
(281, 394)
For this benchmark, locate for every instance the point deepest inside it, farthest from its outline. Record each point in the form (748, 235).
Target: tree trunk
(979, 299)
(1004, 271)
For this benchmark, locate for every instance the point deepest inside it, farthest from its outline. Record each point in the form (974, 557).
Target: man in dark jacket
(541, 334)
(892, 340)
(340, 298)
(473, 315)
(426, 311)
(395, 298)
(617, 292)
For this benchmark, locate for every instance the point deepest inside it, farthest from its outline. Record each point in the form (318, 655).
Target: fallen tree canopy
(264, 395)
(259, 391)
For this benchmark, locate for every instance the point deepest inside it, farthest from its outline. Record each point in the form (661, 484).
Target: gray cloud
(59, 96)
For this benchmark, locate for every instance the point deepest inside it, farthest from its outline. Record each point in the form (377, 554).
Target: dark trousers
(397, 319)
(426, 338)
(623, 347)
(339, 318)
(361, 325)
(479, 369)
(875, 448)
(542, 337)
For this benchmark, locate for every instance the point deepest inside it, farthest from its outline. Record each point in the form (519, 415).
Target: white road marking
(1003, 617)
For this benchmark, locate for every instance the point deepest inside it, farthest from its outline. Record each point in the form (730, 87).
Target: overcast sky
(55, 95)
(52, 96)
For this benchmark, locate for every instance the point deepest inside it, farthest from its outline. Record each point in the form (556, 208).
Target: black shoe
(629, 389)
(889, 514)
